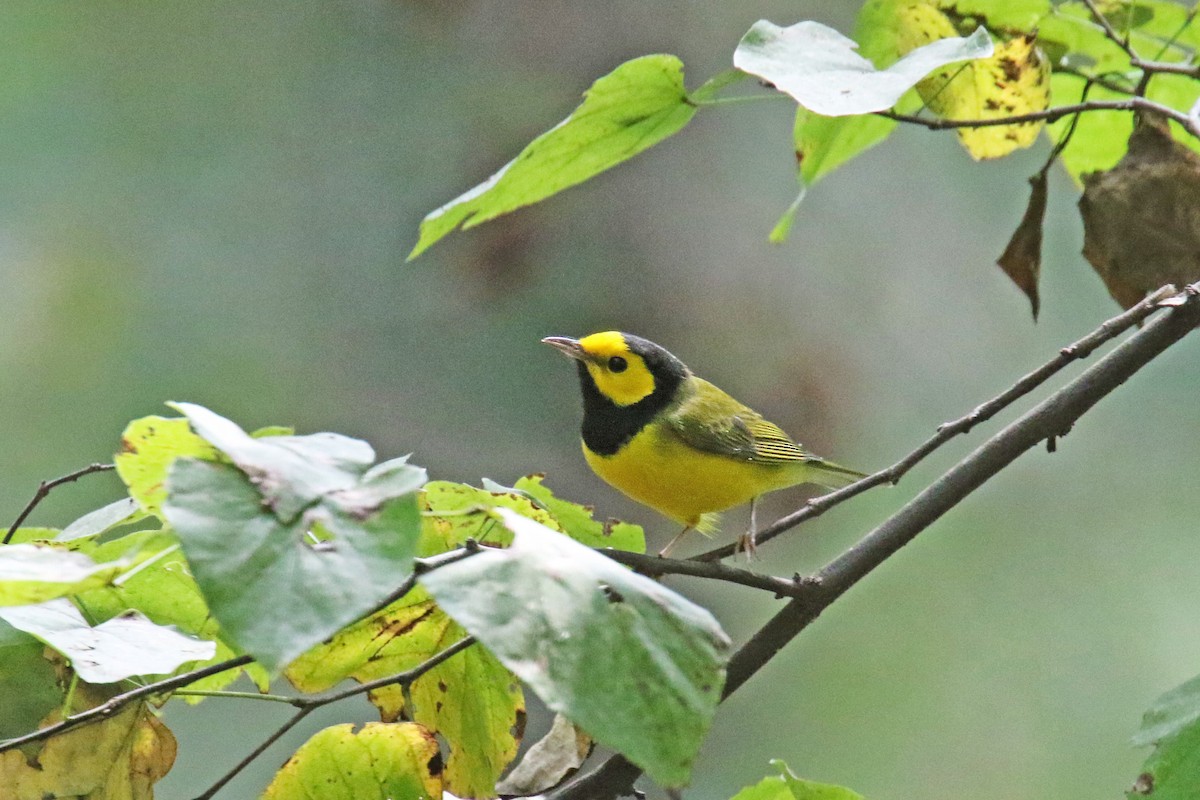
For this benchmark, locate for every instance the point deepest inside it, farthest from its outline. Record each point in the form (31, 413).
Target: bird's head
(623, 368)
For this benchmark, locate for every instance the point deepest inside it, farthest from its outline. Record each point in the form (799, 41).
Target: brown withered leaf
(1141, 219)
(1022, 259)
(550, 761)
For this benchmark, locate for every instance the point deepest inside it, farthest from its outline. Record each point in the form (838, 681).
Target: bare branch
(947, 431)
(1101, 20)
(115, 704)
(1052, 114)
(1167, 67)
(657, 565)
(309, 704)
(1051, 418)
(420, 567)
(44, 489)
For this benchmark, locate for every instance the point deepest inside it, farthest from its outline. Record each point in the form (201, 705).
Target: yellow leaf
(120, 758)
(1014, 81)
(148, 446)
(380, 762)
(470, 700)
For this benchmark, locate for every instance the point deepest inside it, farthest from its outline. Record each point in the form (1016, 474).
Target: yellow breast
(659, 470)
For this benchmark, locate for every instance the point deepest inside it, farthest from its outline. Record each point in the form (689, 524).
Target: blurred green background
(213, 201)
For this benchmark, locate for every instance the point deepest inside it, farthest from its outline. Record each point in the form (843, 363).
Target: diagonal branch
(947, 431)
(44, 489)
(307, 705)
(1116, 38)
(1051, 418)
(115, 704)
(654, 566)
(1136, 103)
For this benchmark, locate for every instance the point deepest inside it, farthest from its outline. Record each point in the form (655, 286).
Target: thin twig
(657, 565)
(947, 431)
(1102, 20)
(1103, 80)
(253, 755)
(1167, 67)
(1065, 139)
(1050, 418)
(115, 704)
(309, 704)
(420, 567)
(44, 489)
(1052, 114)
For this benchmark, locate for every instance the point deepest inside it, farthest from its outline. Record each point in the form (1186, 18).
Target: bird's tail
(831, 475)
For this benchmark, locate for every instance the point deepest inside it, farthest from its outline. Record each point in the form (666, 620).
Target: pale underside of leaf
(635, 665)
(821, 69)
(120, 648)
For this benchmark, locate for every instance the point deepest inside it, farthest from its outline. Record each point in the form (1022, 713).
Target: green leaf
(124, 646)
(1172, 712)
(470, 700)
(634, 664)
(786, 786)
(634, 107)
(455, 512)
(43, 536)
(1172, 772)
(1172, 724)
(1180, 92)
(825, 143)
(783, 227)
(121, 512)
(1100, 138)
(1008, 15)
(378, 762)
(160, 585)
(148, 446)
(274, 590)
(32, 574)
(576, 521)
(291, 472)
(819, 67)
(29, 687)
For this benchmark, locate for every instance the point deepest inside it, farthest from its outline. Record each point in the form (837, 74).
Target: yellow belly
(658, 470)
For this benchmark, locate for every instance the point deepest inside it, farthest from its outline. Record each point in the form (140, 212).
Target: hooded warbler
(677, 443)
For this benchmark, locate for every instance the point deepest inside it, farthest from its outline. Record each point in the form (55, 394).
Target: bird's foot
(746, 544)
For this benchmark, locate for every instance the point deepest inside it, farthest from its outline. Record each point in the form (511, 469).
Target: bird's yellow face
(620, 374)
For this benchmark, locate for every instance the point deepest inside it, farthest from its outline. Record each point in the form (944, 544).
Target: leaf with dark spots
(378, 762)
(1022, 258)
(469, 700)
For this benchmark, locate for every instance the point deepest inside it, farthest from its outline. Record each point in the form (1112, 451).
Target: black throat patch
(607, 427)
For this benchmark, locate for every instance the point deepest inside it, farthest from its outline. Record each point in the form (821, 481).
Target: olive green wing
(710, 420)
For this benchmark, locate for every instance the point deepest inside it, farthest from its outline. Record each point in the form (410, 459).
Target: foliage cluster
(271, 554)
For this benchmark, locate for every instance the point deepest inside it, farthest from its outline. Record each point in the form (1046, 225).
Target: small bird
(677, 443)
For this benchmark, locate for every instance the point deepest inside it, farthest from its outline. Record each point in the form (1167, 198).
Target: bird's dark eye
(617, 364)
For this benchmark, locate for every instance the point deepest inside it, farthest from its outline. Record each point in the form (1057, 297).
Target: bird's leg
(666, 551)
(746, 542)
